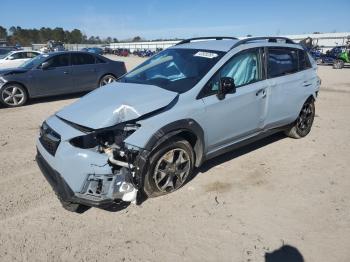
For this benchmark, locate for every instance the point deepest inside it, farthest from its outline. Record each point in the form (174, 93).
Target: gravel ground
(239, 207)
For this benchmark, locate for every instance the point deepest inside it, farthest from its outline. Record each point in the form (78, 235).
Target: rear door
(84, 71)
(54, 80)
(285, 83)
(239, 114)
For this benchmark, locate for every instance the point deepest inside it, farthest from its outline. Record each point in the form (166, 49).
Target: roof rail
(271, 39)
(186, 41)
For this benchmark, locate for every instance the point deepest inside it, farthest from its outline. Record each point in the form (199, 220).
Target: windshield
(4, 53)
(34, 61)
(176, 70)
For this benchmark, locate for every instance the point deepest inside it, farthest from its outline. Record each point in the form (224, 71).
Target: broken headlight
(108, 137)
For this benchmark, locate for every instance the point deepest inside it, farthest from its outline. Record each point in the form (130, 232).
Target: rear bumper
(60, 186)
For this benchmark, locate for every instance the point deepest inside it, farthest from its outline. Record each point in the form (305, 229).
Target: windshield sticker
(206, 55)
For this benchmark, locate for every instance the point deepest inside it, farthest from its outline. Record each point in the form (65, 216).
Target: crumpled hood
(116, 103)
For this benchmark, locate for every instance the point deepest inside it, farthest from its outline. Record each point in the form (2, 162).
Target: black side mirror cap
(227, 86)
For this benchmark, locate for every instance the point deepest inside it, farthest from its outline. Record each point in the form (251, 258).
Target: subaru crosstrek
(145, 133)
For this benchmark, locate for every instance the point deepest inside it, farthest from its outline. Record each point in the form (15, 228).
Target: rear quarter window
(304, 62)
(82, 59)
(99, 60)
(282, 61)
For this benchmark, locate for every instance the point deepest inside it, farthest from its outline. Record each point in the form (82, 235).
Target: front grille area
(49, 139)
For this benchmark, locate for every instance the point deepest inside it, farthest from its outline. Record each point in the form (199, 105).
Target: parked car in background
(53, 46)
(4, 50)
(16, 58)
(95, 50)
(107, 50)
(193, 101)
(311, 45)
(144, 53)
(331, 55)
(343, 58)
(121, 52)
(57, 73)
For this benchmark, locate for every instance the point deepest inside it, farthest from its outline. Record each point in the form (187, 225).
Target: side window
(19, 55)
(304, 62)
(244, 68)
(100, 60)
(282, 61)
(82, 59)
(31, 54)
(58, 61)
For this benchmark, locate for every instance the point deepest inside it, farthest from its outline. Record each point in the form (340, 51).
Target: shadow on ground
(118, 206)
(237, 153)
(284, 254)
(228, 157)
(115, 207)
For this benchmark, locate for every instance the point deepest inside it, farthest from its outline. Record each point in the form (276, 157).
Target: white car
(16, 58)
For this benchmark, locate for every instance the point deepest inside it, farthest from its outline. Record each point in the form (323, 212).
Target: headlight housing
(105, 137)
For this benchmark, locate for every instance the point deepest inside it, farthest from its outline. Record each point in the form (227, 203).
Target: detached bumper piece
(62, 189)
(103, 187)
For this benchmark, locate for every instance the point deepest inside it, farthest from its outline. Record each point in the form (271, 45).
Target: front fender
(180, 127)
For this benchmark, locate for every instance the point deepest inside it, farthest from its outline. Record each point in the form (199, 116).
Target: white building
(152, 45)
(325, 41)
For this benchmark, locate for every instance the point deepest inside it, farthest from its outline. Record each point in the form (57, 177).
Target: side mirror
(45, 65)
(227, 86)
(10, 58)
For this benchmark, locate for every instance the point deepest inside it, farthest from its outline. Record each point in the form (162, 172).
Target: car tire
(338, 64)
(13, 95)
(170, 166)
(107, 79)
(303, 124)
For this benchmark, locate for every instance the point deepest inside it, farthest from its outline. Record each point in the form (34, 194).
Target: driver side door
(55, 79)
(241, 114)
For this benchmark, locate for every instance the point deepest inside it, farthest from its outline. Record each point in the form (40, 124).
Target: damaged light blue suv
(146, 132)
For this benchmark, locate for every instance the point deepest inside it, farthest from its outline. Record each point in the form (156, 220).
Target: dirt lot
(239, 207)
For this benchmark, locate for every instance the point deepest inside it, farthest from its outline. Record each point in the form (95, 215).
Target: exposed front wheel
(303, 124)
(169, 167)
(107, 79)
(13, 95)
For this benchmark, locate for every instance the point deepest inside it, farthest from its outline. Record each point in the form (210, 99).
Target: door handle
(306, 83)
(65, 72)
(261, 92)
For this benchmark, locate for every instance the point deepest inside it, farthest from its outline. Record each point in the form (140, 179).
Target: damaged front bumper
(84, 176)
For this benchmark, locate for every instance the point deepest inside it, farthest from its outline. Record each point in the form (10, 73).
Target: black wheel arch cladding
(189, 129)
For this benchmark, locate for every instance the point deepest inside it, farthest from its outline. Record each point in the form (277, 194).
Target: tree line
(25, 37)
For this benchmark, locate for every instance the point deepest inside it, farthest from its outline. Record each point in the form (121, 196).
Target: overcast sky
(153, 19)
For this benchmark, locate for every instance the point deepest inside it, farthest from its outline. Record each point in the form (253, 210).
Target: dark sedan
(56, 74)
